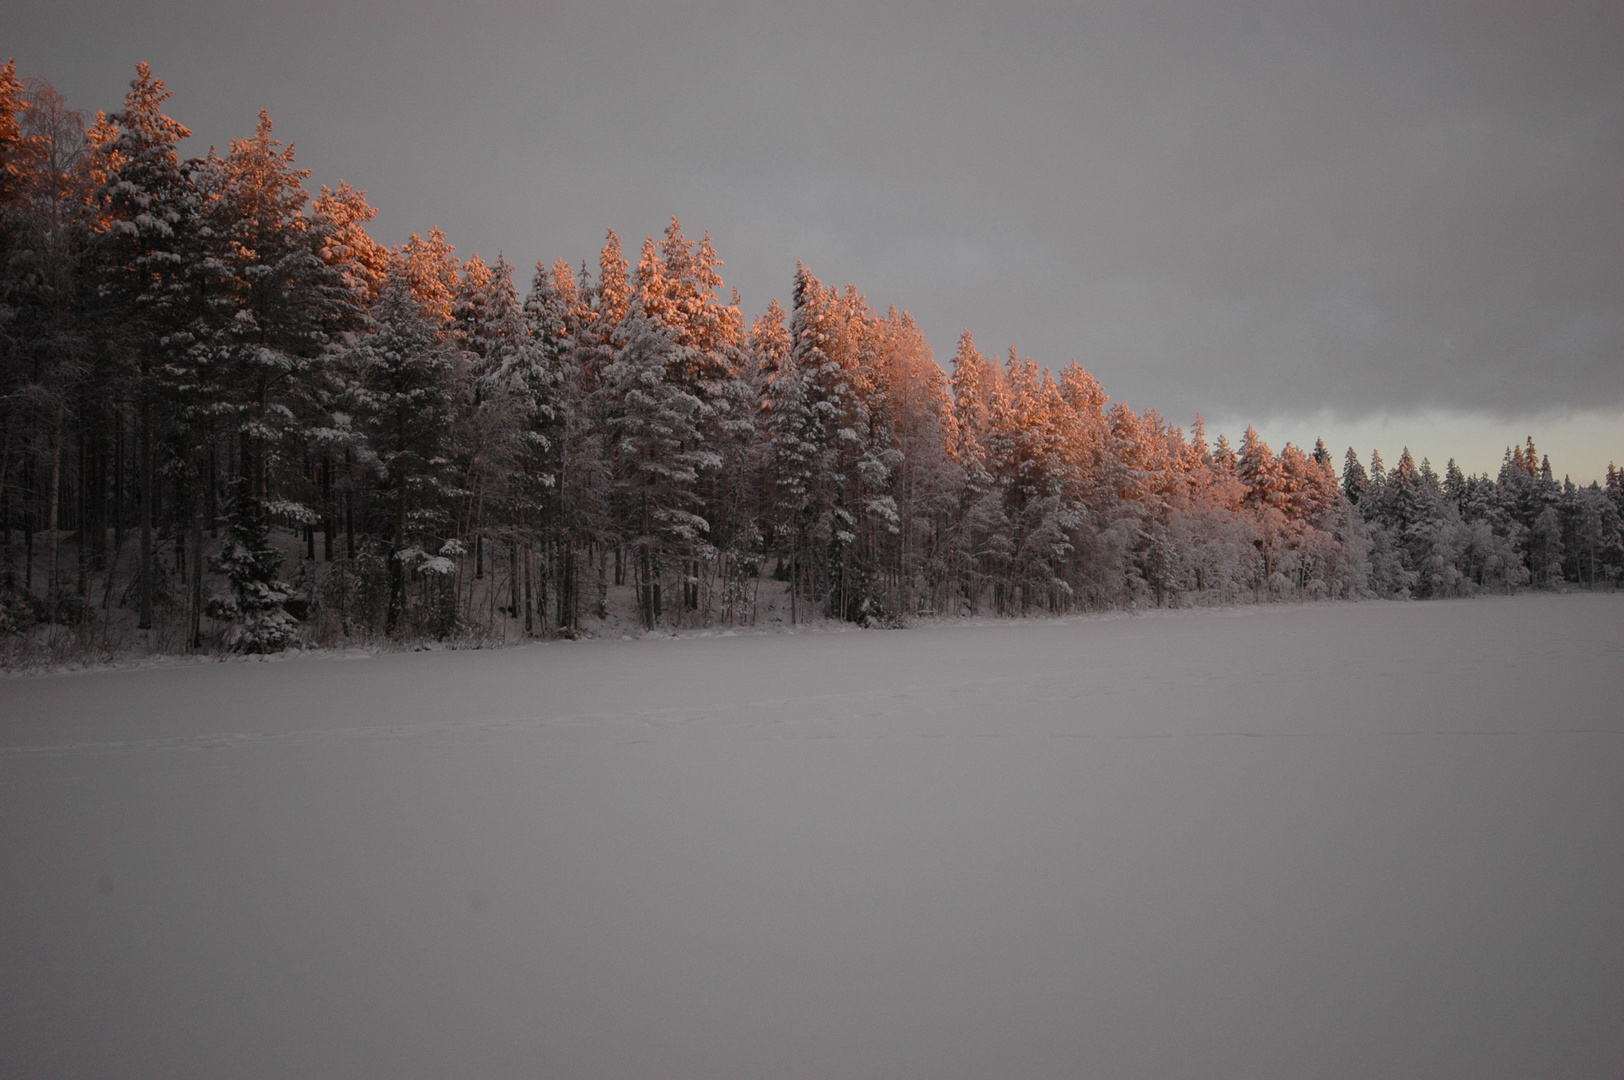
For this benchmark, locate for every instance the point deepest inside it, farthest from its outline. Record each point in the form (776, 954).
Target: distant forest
(233, 419)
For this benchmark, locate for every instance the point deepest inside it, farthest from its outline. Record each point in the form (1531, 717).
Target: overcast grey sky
(1340, 218)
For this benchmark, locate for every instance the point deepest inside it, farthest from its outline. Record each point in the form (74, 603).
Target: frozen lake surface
(1371, 840)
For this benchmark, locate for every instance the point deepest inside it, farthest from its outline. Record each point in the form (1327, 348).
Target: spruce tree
(1354, 479)
(614, 292)
(257, 621)
(1455, 485)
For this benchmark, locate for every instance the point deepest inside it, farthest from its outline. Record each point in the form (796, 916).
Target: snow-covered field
(1372, 840)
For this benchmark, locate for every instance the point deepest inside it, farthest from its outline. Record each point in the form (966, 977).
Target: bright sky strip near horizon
(1383, 223)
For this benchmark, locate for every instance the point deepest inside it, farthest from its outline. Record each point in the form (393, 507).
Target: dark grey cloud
(1262, 208)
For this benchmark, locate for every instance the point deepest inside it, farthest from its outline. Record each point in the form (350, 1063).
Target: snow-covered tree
(404, 397)
(654, 423)
(256, 620)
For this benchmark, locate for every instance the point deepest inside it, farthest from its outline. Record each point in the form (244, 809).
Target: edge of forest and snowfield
(622, 627)
(231, 421)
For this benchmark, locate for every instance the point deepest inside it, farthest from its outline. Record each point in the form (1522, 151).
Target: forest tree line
(200, 360)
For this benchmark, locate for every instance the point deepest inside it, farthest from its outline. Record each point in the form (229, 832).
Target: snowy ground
(1372, 840)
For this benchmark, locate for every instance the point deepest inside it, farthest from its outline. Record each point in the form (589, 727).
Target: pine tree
(651, 290)
(794, 467)
(567, 482)
(917, 556)
(1261, 472)
(52, 364)
(404, 398)
(655, 424)
(782, 421)
(151, 215)
(769, 350)
(431, 270)
(18, 151)
(973, 383)
(344, 212)
(290, 303)
(1198, 440)
(844, 454)
(490, 431)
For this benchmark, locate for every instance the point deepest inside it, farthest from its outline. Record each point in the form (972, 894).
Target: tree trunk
(349, 508)
(546, 566)
(118, 484)
(194, 607)
(645, 574)
(82, 585)
(397, 565)
(529, 626)
(603, 583)
(210, 503)
(52, 583)
(326, 509)
(145, 568)
(567, 606)
(5, 508)
(513, 579)
(310, 526)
